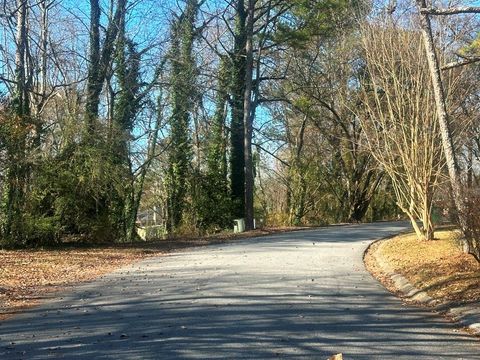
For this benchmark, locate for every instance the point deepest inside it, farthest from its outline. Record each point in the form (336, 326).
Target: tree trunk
(237, 129)
(470, 149)
(248, 119)
(297, 210)
(17, 171)
(42, 86)
(100, 59)
(296, 176)
(91, 111)
(21, 96)
(413, 221)
(440, 100)
(427, 224)
(182, 91)
(43, 47)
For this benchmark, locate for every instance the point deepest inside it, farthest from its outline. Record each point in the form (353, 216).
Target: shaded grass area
(438, 267)
(29, 275)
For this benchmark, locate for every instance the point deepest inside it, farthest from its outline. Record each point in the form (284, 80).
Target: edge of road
(466, 315)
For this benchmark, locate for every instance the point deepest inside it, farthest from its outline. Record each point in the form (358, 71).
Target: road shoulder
(423, 282)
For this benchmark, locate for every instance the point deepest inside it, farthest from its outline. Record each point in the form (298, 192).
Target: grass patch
(438, 267)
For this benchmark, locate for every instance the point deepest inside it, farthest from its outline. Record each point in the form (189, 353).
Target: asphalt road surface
(299, 295)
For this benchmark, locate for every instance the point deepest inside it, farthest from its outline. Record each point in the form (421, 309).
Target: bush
(80, 192)
(41, 230)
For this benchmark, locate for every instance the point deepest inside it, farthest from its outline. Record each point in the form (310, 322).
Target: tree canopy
(184, 116)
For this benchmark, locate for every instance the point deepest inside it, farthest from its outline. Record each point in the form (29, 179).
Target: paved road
(301, 295)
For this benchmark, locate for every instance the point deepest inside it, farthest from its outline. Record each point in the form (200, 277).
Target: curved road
(300, 295)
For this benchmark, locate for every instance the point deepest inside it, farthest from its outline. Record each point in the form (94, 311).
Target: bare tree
(400, 120)
(470, 245)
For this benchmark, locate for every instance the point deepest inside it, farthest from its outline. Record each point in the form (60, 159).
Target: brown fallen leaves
(439, 267)
(28, 275)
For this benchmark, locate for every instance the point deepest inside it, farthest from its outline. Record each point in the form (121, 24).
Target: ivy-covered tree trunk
(93, 94)
(214, 208)
(296, 175)
(17, 167)
(137, 184)
(126, 106)
(182, 97)
(217, 161)
(298, 185)
(237, 128)
(100, 58)
(248, 111)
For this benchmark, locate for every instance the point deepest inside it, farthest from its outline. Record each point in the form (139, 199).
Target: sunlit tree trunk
(441, 107)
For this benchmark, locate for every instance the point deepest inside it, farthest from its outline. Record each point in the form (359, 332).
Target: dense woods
(180, 117)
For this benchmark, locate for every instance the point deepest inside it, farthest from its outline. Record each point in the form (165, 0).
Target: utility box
(239, 225)
(151, 232)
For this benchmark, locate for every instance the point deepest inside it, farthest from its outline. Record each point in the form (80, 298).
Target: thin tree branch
(456, 64)
(271, 154)
(451, 11)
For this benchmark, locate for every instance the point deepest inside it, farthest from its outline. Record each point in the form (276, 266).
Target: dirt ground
(27, 276)
(438, 267)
